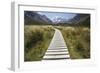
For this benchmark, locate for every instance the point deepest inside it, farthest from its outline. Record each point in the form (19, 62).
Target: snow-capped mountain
(59, 20)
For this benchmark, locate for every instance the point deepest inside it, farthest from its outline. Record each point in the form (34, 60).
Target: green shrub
(32, 38)
(36, 41)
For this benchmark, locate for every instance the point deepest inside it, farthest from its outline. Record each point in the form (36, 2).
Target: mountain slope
(81, 19)
(31, 17)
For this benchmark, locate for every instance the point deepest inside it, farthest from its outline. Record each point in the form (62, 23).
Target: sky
(54, 15)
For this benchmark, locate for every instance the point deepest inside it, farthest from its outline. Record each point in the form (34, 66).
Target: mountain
(31, 17)
(80, 19)
(59, 20)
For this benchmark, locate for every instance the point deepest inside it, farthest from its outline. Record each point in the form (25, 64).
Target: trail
(57, 49)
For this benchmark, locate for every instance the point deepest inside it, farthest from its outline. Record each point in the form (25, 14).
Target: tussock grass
(36, 41)
(78, 41)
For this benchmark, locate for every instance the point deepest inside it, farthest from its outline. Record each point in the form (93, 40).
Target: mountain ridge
(31, 17)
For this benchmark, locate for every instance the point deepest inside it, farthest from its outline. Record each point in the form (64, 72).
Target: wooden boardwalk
(57, 49)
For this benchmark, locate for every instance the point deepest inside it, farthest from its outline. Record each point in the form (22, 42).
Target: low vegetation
(36, 41)
(78, 41)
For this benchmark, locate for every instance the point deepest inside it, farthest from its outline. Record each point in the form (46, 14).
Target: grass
(78, 41)
(38, 37)
(36, 41)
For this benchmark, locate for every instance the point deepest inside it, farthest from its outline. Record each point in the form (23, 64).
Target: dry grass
(78, 41)
(36, 41)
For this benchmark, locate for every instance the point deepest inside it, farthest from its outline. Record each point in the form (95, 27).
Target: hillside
(31, 18)
(81, 19)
